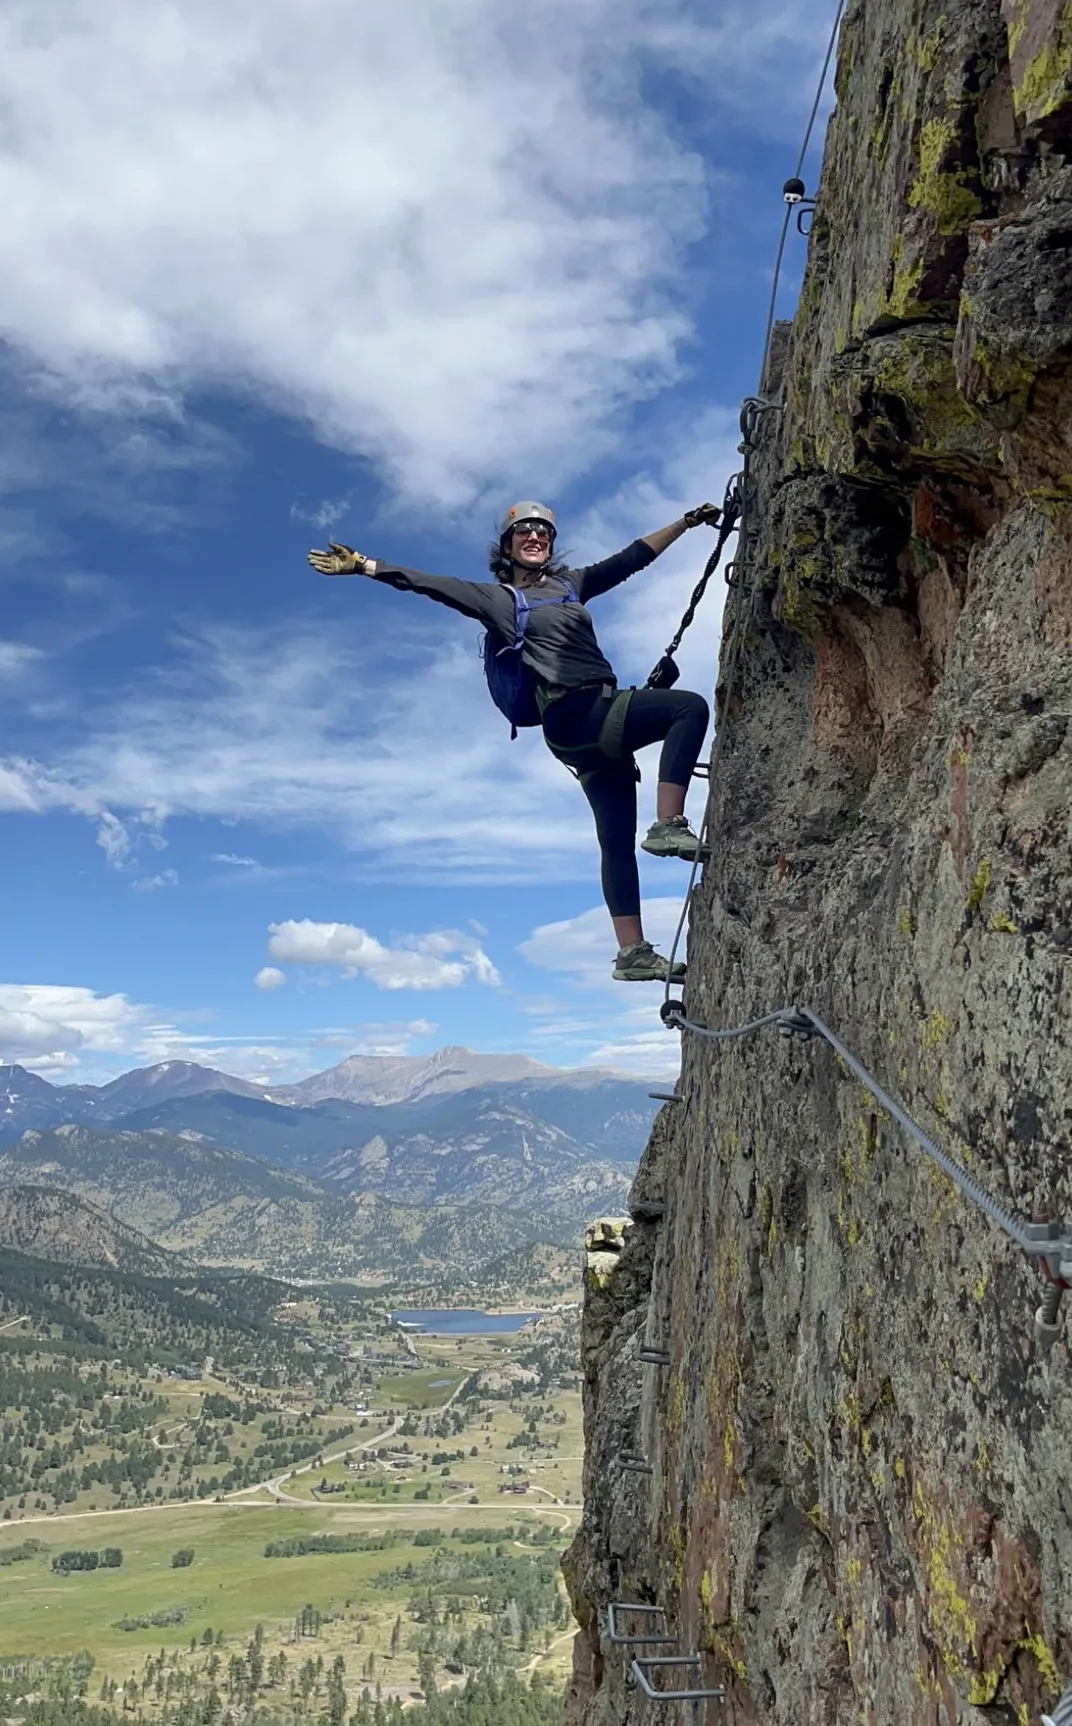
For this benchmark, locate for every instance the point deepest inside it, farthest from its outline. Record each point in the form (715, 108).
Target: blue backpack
(513, 683)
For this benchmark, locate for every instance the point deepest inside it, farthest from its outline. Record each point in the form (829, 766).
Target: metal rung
(622, 1637)
(636, 1465)
(654, 1356)
(665, 1096)
(647, 1210)
(718, 1694)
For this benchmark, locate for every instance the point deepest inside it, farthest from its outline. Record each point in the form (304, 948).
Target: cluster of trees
(80, 1558)
(55, 1693)
(147, 1319)
(300, 1545)
(57, 1410)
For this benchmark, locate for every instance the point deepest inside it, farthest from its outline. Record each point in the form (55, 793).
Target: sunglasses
(533, 530)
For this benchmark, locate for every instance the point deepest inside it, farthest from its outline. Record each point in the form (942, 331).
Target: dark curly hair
(503, 570)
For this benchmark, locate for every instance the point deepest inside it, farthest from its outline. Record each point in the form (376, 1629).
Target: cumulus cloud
(612, 1024)
(235, 861)
(582, 947)
(48, 1026)
(362, 252)
(269, 977)
(444, 959)
(72, 1034)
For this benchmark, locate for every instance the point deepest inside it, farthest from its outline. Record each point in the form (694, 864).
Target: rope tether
(1050, 1242)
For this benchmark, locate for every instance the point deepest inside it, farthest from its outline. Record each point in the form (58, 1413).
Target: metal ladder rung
(637, 1607)
(639, 1668)
(636, 1465)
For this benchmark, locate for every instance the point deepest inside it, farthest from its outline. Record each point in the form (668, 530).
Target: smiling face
(530, 544)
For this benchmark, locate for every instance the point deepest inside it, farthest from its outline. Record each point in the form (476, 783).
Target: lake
(462, 1321)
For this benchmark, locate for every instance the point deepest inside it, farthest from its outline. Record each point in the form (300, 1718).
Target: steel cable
(742, 564)
(804, 1021)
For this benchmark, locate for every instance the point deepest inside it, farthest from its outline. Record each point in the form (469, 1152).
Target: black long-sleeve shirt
(560, 640)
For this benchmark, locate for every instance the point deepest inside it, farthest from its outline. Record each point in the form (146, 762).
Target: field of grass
(230, 1587)
(463, 1450)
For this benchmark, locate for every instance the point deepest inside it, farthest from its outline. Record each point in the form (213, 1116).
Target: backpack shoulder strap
(521, 615)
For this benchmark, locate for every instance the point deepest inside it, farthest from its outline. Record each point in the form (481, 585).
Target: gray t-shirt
(560, 641)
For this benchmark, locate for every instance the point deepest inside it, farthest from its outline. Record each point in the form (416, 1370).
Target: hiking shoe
(672, 838)
(642, 964)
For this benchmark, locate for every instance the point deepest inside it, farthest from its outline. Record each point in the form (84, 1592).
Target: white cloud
(113, 839)
(583, 947)
(237, 862)
(48, 1026)
(386, 253)
(417, 962)
(611, 1024)
(72, 1034)
(17, 658)
(150, 883)
(269, 977)
(391, 1038)
(326, 515)
(259, 725)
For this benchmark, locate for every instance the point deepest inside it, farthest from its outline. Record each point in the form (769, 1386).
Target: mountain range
(381, 1166)
(62, 1228)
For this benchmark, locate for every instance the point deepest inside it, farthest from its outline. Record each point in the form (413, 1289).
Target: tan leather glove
(704, 515)
(341, 560)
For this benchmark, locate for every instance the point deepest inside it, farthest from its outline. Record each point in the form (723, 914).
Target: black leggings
(679, 718)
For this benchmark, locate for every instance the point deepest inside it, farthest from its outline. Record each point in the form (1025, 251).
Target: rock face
(859, 1508)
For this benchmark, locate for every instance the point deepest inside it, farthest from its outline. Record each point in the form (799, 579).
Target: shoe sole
(645, 977)
(689, 856)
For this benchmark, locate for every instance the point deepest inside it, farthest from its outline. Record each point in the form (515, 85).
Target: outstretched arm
(706, 515)
(601, 577)
(484, 600)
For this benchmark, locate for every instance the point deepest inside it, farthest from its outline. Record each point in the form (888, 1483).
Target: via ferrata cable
(739, 574)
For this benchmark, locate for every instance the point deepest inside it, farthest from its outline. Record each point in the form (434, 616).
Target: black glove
(704, 515)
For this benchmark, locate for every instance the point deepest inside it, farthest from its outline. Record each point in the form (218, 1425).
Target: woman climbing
(540, 637)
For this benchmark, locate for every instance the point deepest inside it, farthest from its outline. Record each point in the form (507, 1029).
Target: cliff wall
(860, 1505)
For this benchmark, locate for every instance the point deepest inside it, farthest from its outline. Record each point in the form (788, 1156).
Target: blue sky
(276, 272)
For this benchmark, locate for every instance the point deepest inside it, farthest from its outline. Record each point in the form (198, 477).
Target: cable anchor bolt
(672, 1013)
(795, 194)
(1056, 1269)
(797, 1026)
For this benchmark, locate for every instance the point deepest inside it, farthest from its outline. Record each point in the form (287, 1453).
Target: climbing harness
(584, 759)
(666, 673)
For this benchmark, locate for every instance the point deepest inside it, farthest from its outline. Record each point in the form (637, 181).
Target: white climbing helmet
(527, 511)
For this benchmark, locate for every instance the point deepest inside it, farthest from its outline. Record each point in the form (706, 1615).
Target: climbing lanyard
(666, 673)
